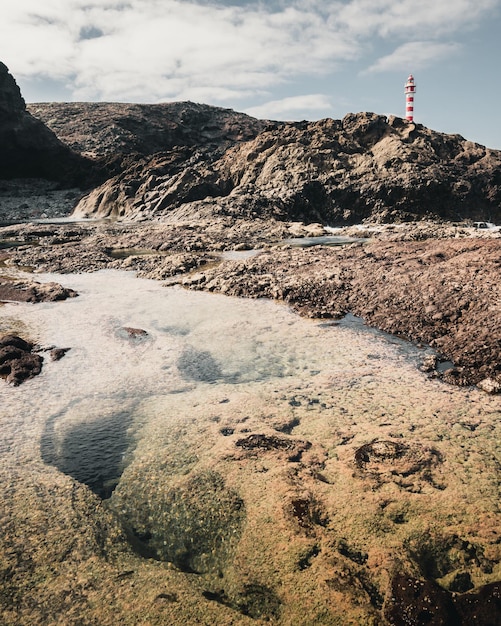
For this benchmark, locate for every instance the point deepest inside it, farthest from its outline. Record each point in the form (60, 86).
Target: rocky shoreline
(429, 283)
(276, 469)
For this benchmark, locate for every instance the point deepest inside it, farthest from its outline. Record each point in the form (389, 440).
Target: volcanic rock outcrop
(18, 362)
(28, 147)
(184, 160)
(331, 171)
(104, 129)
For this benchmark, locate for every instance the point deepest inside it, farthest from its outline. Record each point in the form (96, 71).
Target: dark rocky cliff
(28, 147)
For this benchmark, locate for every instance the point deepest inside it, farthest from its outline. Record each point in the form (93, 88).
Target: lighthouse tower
(410, 90)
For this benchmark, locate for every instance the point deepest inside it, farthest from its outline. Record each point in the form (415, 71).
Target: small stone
(429, 363)
(56, 354)
(490, 385)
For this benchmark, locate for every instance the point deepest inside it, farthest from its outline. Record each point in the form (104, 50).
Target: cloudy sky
(280, 59)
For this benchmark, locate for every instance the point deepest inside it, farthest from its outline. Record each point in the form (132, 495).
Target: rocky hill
(183, 161)
(103, 129)
(331, 171)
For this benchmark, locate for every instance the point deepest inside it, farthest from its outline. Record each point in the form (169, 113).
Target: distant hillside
(104, 129)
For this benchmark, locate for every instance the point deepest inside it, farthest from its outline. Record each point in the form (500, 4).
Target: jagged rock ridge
(183, 161)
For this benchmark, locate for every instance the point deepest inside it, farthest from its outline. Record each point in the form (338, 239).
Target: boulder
(17, 361)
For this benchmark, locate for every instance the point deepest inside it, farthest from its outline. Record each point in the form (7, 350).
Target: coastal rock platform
(429, 283)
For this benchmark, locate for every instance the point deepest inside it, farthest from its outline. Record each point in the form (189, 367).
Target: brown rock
(32, 291)
(17, 362)
(330, 171)
(56, 354)
(489, 385)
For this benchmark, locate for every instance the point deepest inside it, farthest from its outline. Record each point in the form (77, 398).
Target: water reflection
(325, 240)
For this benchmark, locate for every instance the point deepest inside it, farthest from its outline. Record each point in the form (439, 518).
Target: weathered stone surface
(184, 160)
(32, 291)
(107, 129)
(330, 171)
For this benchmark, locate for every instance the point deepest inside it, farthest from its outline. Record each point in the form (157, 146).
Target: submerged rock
(199, 365)
(194, 523)
(419, 602)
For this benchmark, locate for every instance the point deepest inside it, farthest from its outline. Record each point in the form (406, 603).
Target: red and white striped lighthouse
(410, 90)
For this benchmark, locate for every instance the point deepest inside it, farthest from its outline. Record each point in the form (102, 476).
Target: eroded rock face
(181, 160)
(12, 104)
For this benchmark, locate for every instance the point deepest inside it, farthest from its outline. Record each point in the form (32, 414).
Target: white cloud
(288, 108)
(163, 46)
(214, 50)
(416, 54)
(404, 18)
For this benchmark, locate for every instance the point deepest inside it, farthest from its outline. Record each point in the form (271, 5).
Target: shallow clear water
(325, 240)
(82, 412)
